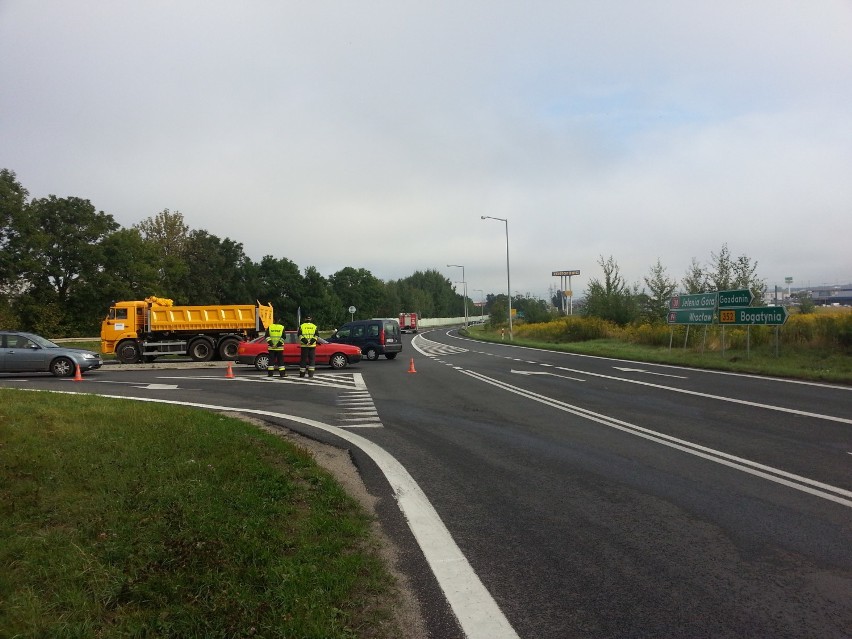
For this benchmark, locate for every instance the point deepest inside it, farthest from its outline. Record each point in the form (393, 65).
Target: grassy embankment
(813, 347)
(119, 518)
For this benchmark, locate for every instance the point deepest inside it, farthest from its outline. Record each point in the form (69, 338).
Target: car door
(23, 354)
(292, 350)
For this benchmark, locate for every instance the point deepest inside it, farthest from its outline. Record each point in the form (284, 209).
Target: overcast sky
(375, 134)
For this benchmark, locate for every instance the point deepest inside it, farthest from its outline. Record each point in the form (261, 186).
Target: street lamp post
(464, 290)
(481, 304)
(508, 277)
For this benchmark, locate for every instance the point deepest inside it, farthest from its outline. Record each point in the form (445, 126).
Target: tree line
(62, 262)
(612, 298)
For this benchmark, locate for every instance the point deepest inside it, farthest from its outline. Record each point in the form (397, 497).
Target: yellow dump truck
(140, 331)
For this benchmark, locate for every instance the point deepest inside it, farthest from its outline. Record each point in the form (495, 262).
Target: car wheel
(128, 353)
(338, 361)
(228, 348)
(62, 367)
(371, 354)
(390, 355)
(261, 362)
(201, 350)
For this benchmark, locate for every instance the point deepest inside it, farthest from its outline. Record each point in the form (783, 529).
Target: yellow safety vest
(308, 335)
(275, 340)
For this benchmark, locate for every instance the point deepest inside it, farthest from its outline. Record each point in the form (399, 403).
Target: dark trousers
(308, 361)
(276, 361)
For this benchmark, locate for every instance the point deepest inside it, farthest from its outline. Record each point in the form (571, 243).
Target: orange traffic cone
(78, 377)
(411, 366)
(230, 373)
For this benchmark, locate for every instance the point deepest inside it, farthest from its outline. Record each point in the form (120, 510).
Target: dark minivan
(375, 337)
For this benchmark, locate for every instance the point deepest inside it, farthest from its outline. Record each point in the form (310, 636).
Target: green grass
(119, 518)
(794, 362)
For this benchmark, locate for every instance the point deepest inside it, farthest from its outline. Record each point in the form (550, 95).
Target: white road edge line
(478, 614)
(767, 472)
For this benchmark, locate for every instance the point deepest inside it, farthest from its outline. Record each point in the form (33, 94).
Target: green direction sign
(692, 302)
(701, 316)
(753, 315)
(733, 299)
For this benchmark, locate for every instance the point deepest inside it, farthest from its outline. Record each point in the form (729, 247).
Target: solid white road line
(478, 614)
(813, 487)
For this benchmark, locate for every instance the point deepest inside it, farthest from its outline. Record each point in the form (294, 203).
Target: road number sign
(754, 315)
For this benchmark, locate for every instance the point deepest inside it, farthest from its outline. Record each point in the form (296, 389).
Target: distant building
(834, 295)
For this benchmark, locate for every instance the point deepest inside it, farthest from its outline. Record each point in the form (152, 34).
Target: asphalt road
(589, 497)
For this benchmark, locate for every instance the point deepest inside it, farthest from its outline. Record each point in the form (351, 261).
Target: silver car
(27, 352)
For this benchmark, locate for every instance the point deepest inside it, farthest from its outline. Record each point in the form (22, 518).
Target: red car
(335, 355)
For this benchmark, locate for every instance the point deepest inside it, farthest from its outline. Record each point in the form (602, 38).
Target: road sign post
(566, 293)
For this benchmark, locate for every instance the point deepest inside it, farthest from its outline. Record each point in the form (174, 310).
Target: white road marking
(813, 487)
(733, 400)
(478, 614)
(576, 379)
(639, 370)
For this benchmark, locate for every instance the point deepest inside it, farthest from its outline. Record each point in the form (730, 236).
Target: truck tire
(228, 348)
(128, 352)
(201, 350)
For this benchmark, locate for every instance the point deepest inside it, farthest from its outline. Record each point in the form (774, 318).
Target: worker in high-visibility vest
(308, 343)
(275, 346)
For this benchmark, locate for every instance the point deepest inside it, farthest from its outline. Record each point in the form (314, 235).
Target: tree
(498, 309)
(13, 199)
(660, 289)
(695, 281)
(318, 300)
(726, 273)
(167, 231)
(358, 288)
(215, 271)
(130, 269)
(278, 281)
(611, 299)
(533, 310)
(170, 235)
(58, 247)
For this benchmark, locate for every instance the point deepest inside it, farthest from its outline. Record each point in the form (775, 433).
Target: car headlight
(90, 356)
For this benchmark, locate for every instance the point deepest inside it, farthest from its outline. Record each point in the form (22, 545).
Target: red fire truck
(408, 322)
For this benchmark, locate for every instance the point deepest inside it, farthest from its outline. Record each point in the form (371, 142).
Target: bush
(568, 329)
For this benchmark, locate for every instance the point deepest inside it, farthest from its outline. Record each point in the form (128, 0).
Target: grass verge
(119, 518)
(794, 362)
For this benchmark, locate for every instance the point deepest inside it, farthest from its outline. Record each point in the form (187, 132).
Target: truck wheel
(201, 350)
(228, 348)
(128, 353)
(338, 361)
